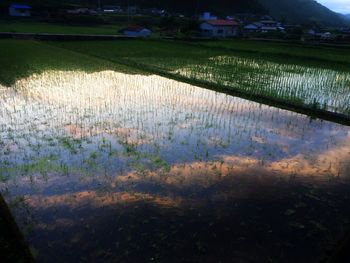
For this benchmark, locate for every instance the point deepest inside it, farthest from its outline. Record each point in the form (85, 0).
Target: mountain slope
(302, 11)
(291, 11)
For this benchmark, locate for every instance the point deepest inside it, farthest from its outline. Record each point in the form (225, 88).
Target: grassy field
(331, 54)
(323, 57)
(319, 84)
(21, 58)
(334, 54)
(37, 27)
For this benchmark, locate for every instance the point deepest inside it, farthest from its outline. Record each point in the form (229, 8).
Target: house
(154, 11)
(219, 28)
(251, 28)
(326, 36)
(207, 16)
(112, 9)
(269, 25)
(263, 26)
(20, 10)
(78, 11)
(137, 31)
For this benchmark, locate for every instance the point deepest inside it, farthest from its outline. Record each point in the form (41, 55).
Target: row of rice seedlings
(320, 88)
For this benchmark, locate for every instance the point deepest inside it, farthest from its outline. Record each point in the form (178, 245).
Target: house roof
(21, 6)
(258, 24)
(251, 26)
(221, 22)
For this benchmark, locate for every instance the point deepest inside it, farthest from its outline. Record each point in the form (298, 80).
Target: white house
(219, 28)
(137, 31)
(263, 26)
(19, 10)
(270, 25)
(251, 28)
(112, 9)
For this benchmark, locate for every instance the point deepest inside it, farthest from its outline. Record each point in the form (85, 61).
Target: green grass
(37, 27)
(203, 50)
(22, 58)
(333, 54)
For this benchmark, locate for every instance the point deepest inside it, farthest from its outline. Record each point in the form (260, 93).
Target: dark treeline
(188, 7)
(197, 6)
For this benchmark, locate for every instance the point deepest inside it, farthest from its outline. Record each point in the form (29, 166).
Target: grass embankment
(39, 27)
(22, 58)
(315, 84)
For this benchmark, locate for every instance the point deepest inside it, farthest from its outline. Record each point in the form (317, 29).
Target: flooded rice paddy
(316, 87)
(111, 167)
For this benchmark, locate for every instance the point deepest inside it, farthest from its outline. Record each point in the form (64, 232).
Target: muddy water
(110, 167)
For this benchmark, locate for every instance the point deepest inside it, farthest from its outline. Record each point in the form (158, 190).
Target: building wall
(218, 31)
(19, 12)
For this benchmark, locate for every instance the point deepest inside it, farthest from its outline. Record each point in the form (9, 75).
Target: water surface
(110, 167)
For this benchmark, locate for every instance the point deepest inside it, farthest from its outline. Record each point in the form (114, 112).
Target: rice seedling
(230, 124)
(318, 85)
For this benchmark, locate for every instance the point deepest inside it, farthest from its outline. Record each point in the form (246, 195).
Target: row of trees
(186, 7)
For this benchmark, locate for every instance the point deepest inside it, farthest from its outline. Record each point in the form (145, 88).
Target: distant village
(206, 25)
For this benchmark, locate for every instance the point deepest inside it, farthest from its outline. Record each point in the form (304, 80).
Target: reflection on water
(313, 86)
(109, 166)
